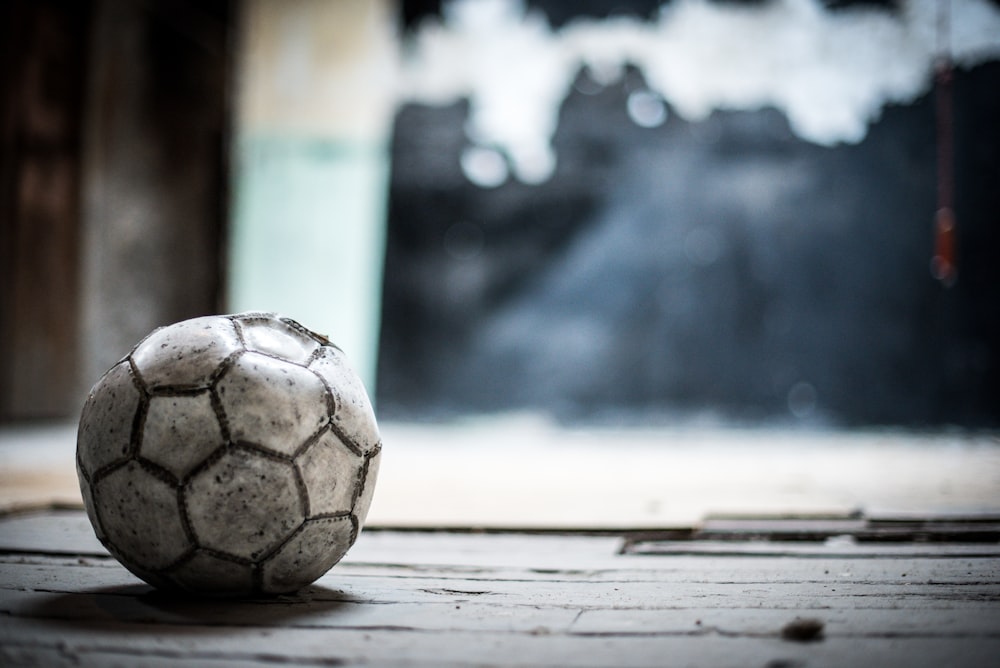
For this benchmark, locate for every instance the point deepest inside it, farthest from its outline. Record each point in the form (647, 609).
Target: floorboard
(436, 598)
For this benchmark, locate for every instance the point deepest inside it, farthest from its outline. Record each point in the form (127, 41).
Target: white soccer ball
(229, 455)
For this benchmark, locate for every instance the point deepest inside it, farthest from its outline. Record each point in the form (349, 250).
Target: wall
(675, 265)
(114, 129)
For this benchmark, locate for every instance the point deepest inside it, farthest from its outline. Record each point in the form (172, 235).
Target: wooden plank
(576, 594)
(32, 656)
(439, 599)
(191, 645)
(730, 572)
(976, 528)
(539, 556)
(899, 622)
(597, 557)
(50, 532)
(834, 548)
(317, 608)
(471, 609)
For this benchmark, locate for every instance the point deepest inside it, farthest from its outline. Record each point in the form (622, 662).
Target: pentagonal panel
(207, 574)
(364, 501)
(185, 354)
(330, 471)
(309, 554)
(140, 517)
(244, 504)
(180, 432)
(271, 403)
(105, 431)
(268, 334)
(354, 416)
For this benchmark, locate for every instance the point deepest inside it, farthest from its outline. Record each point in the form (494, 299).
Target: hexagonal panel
(180, 432)
(309, 554)
(266, 333)
(271, 403)
(105, 429)
(244, 504)
(364, 501)
(185, 354)
(205, 573)
(330, 471)
(140, 517)
(354, 416)
(86, 492)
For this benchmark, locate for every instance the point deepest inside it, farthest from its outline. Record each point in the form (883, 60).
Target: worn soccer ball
(229, 455)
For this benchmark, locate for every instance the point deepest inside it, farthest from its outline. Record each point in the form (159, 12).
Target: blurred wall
(155, 182)
(43, 47)
(120, 119)
(677, 266)
(115, 125)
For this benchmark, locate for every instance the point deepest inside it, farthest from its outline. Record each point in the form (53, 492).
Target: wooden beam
(43, 58)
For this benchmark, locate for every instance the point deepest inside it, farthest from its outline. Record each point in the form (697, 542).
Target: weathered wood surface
(503, 599)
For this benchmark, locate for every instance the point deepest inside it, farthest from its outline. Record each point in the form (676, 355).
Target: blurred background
(623, 212)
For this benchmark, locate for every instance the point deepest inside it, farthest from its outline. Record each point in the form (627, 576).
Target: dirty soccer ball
(229, 455)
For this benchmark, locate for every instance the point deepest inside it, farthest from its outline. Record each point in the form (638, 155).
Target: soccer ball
(229, 455)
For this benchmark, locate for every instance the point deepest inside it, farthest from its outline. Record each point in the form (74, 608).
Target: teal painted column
(311, 166)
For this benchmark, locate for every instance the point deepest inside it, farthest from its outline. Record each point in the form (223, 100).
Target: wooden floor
(860, 582)
(504, 599)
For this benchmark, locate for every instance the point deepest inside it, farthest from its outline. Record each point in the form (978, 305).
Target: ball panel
(272, 403)
(105, 433)
(209, 574)
(200, 455)
(185, 354)
(244, 503)
(367, 492)
(268, 334)
(310, 553)
(155, 579)
(180, 432)
(86, 491)
(330, 471)
(354, 416)
(140, 517)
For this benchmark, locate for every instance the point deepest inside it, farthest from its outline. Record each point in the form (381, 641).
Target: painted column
(313, 117)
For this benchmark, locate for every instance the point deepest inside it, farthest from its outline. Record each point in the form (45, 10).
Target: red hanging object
(944, 265)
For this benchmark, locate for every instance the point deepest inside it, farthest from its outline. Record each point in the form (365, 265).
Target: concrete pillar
(313, 114)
